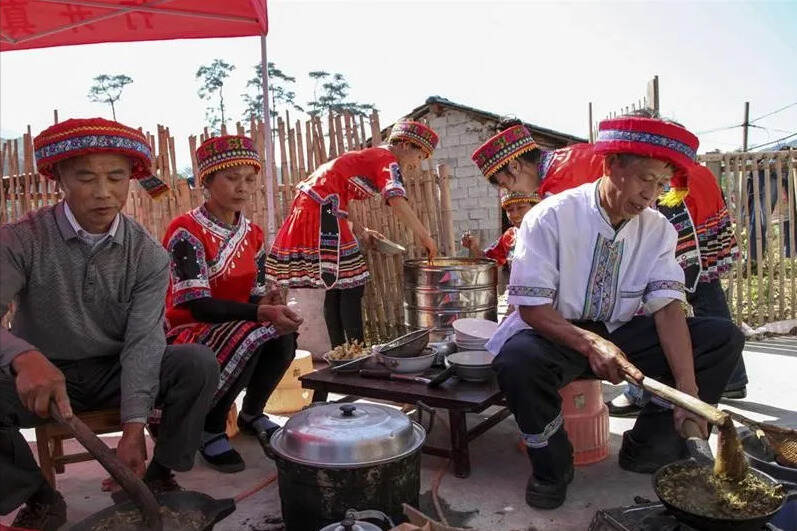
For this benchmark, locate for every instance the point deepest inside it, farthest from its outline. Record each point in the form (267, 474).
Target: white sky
(541, 62)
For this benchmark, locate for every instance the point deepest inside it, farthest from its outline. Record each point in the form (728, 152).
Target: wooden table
(458, 397)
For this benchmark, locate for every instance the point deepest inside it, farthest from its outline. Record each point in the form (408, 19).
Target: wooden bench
(50, 441)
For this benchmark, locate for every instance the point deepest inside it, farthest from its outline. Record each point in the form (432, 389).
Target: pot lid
(334, 435)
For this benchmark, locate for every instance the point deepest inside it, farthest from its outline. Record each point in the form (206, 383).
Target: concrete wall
(475, 202)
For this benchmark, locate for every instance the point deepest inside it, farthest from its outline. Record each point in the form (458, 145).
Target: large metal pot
(438, 292)
(333, 457)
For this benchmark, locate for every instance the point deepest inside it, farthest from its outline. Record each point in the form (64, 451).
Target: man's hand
(132, 451)
(272, 298)
(608, 362)
(285, 320)
(680, 414)
(39, 382)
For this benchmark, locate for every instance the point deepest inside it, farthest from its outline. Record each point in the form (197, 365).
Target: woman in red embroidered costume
(218, 296)
(516, 205)
(317, 248)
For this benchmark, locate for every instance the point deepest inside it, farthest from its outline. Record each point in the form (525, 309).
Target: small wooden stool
(50, 441)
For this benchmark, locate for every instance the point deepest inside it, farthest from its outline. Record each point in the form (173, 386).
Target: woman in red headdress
(218, 296)
(317, 248)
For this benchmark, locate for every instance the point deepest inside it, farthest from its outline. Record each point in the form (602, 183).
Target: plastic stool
(586, 420)
(289, 397)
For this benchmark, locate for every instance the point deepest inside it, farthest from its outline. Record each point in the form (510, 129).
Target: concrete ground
(492, 498)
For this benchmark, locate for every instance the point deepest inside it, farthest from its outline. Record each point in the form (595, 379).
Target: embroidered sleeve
(260, 287)
(388, 178)
(189, 270)
(535, 269)
(666, 279)
(501, 248)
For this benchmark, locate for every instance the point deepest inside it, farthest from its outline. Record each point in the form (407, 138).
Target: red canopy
(26, 24)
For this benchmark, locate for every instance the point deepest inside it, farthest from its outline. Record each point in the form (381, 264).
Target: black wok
(701, 456)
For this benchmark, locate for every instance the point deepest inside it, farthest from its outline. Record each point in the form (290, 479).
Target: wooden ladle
(135, 488)
(730, 461)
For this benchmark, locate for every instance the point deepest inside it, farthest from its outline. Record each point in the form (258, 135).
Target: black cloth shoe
(631, 410)
(552, 471)
(735, 393)
(249, 428)
(42, 516)
(648, 458)
(228, 462)
(158, 486)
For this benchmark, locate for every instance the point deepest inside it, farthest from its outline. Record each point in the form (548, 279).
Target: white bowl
(413, 364)
(472, 328)
(471, 345)
(472, 358)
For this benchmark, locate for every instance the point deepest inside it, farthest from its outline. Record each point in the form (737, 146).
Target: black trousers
(344, 315)
(532, 369)
(260, 377)
(709, 300)
(188, 378)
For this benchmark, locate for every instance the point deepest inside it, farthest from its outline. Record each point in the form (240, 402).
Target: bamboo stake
(768, 256)
(283, 168)
(729, 187)
(759, 219)
(791, 184)
(739, 181)
(339, 135)
(300, 152)
(781, 241)
(310, 142)
(333, 148)
(447, 210)
(321, 148)
(294, 166)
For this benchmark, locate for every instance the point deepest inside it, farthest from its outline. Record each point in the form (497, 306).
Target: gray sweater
(75, 302)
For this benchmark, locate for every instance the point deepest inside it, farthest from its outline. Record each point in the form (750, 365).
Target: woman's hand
(431, 246)
(469, 241)
(285, 320)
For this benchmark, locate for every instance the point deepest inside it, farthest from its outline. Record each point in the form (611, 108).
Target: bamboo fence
(761, 287)
(299, 148)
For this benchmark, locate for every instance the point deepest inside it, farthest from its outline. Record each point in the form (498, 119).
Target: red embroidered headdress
(502, 148)
(653, 138)
(225, 152)
(416, 133)
(513, 198)
(84, 136)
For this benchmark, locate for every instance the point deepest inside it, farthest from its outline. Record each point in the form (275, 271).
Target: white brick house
(462, 129)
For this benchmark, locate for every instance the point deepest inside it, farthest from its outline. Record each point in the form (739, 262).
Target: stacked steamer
(438, 292)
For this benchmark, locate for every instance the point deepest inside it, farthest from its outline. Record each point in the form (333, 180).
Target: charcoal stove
(652, 516)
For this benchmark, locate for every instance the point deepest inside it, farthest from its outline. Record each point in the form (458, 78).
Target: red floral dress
(212, 259)
(315, 247)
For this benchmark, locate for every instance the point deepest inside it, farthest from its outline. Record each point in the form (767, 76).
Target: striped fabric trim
(608, 135)
(540, 440)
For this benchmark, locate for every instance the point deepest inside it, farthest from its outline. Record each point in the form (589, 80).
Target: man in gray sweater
(88, 284)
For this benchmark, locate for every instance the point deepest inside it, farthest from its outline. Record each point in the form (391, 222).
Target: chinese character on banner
(15, 18)
(130, 18)
(77, 14)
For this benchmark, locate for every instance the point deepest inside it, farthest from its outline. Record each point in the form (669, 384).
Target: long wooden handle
(135, 488)
(681, 399)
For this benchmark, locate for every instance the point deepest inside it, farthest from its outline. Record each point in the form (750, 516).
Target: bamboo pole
(310, 143)
(739, 182)
(791, 169)
(333, 148)
(446, 209)
(759, 219)
(339, 135)
(781, 241)
(300, 152)
(768, 256)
